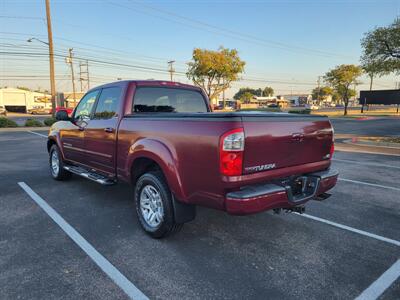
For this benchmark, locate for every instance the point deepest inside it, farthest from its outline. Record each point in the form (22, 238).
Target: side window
(85, 106)
(107, 105)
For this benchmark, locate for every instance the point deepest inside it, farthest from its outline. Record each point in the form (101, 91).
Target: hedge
(306, 111)
(49, 121)
(4, 122)
(33, 123)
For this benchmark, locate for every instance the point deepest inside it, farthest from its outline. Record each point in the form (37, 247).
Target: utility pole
(70, 61)
(51, 60)
(171, 69)
(84, 75)
(319, 90)
(223, 94)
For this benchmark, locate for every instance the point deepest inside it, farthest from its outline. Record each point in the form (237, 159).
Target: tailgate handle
(297, 137)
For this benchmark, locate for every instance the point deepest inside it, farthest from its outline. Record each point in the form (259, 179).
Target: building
(298, 99)
(273, 100)
(19, 100)
(70, 101)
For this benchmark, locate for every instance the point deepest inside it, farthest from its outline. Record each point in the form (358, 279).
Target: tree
(246, 97)
(239, 94)
(381, 48)
(321, 93)
(268, 91)
(341, 79)
(214, 71)
(373, 69)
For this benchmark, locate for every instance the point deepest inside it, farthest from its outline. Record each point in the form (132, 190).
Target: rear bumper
(260, 197)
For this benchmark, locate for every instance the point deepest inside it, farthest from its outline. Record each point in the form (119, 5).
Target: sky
(285, 44)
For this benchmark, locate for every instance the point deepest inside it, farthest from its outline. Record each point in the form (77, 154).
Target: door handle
(109, 130)
(297, 137)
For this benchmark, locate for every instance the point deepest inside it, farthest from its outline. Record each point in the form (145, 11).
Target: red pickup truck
(163, 139)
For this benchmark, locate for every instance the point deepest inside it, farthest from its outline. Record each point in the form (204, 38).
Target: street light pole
(51, 59)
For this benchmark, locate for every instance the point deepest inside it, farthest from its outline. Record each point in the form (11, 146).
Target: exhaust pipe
(296, 209)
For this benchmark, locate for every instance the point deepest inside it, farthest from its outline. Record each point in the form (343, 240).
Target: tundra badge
(260, 168)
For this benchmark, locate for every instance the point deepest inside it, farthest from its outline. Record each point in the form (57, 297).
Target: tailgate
(273, 142)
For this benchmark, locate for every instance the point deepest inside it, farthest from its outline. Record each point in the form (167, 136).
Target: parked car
(69, 110)
(273, 105)
(40, 111)
(163, 139)
(3, 110)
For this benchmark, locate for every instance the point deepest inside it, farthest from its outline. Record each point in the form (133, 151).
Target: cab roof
(160, 83)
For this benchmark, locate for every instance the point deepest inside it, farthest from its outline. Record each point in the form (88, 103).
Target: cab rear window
(160, 99)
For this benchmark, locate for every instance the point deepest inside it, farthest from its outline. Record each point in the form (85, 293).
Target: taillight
(231, 152)
(332, 150)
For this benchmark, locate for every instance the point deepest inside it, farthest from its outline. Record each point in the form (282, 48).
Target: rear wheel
(56, 164)
(153, 201)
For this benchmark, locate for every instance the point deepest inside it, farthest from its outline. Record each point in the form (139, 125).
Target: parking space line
(370, 184)
(39, 134)
(348, 228)
(365, 163)
(382, 283)
(119, 279)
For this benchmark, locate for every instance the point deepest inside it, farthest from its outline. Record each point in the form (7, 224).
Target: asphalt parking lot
(284, 256)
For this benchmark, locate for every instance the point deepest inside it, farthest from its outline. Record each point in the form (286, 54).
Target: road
(382, 126)
(261, 256)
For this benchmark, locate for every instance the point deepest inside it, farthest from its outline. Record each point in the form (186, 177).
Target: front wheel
(56, 164)
(154, 209)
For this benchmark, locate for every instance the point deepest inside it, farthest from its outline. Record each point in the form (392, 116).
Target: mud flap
(183, 212)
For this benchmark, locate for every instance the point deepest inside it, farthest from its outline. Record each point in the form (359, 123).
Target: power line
(228, 32)
(21, 17)
(102, 62)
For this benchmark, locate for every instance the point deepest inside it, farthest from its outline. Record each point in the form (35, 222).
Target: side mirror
(62, 115)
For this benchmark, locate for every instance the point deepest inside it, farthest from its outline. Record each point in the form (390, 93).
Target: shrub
(306, 111)
(267, 109)
(49, 121)
(33, 123)
(4, 122)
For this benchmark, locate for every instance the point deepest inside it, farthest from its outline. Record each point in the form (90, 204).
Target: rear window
(159, 99)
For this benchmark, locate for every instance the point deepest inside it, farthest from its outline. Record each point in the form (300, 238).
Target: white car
(3, 110)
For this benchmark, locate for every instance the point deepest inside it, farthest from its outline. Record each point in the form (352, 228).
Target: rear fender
(164, 156)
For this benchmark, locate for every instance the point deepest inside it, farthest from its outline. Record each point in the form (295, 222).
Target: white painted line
(365, 233)
(39, 134)
(369, 184)
(366, 163)
(382, 283)
(128, 287)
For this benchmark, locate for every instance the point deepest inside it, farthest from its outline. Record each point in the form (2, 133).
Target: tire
(58, 173)
(153, 200)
